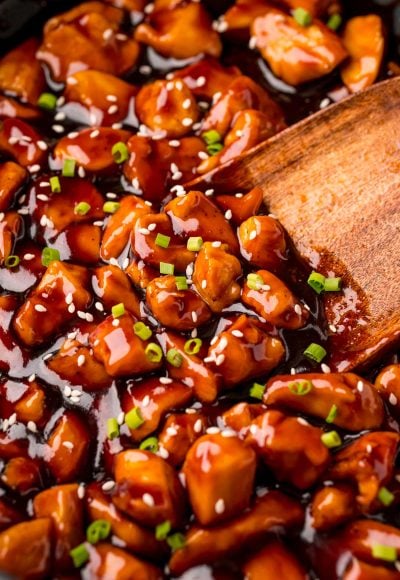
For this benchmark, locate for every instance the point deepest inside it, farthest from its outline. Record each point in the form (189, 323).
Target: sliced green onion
(333, 411)
(181, 283)
(162, 240)
(68, 169)
(331, 439)
(11, 261)
(194, 243)
(174, 357)
(142, 330)
(162, 530)
(166, 268)
(302, 17)
(257, 391)
(47, 101)
(332, 284)
(55, 184)
(334, 22)
(192, 346)
(118, 310)
(254, 281)
(98, 530)
(82, 208)
(176, 541)
(387, 553)
(111, 206)
(214, 148)
(149, 444)
(315, 352)
(153, 352)
(385, 496)
(210, 137)
(49, 255)
(79, 555)
(120, 152)
(134, 418)
(317, 282)
(301, 387)
(112, 428)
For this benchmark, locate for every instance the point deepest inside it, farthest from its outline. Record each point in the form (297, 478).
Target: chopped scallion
(212, 136)
(194, 243)
(317, 282)
(214, 148)
(153, 352)
(174, 357)
(55, 184)
(181, 283)
(118, 310)
(333, 411)
(79, 555)
(257, 391)
(112, 428)
(385, 496)
(331, 439)
(142, 330)
(332, 284)
(176, 541)
(47, 101)
(68, 169)
(82, 208)
(162, 240)
(120, 152)
(98, 530)
(149, 444)
(162, 530)
(192, 346)
(315, 352)
(11, 261)
(134, 418)
(254, 281)
(387, 553)
(302, 17)
(334, 22)
(166, 268)
(300, 387)
(49, 255)
(111, 206)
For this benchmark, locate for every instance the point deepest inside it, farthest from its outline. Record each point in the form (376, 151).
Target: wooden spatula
(333, 181)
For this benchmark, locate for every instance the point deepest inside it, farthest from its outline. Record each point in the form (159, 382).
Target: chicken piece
(180, 33)
(7, 240)
(206, 77)
(67, 461)
(274, 561)
(192, 371)
(12, 177)
(119, 225)
(60, 206)
(178, 434)
(332, 506)
(242, 207)
(154, 400)
(36, 562)
(273, 300)
(262, 242)
(147, 488)
(22, 475)
(137, 538)
(167, 107)
(87, 37)
(358, 570)
(112, 286)
(241, 15)
(120, 350)
(32, 405)
(140, 274)
(368, 462)
(79, 243)
(153, 164)
(94, 154)
(215, 273)
(207, 545)
(219, 473)
(11, 108)
(11, 447)
(178, 309)
(387, 384)
(357, 404)
(296, 53)
(102, 97)
(106, 560)
(21, 74)
(363, 38)
(195, 215)
(20, 141)
(9, 515)
(75, 363)
(240, 416)
(241, 94)
(143, 241)
(290, 447)
(32, 323)
(244, 351)
(62, 504)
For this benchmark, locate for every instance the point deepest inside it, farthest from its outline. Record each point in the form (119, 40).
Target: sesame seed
(176, 176)
(81, 360)
(42, 145)
(67, 391)
(302, 421)
(194, 316)
(325, 368)
(197, 427)
(186, 104)
(368, 448)
(42, 197)
(108, 485)
(324, 103)
(144, 231)
(253, 42)
(179, 85)
(114, 262)
(182, 478)
(209, 192)
(99, 306)
(165, 380)
(151, 227)
(107, 34)
(216, 244)
(228, 214)
(68, 444)
(392, 399)
(89, 317)
(71, 308)
(112, 109)
(75, 400)
(146, 401)
(214, 340)
(332, 328)
(212, 430)
(190, 411)
(94, 134)
(174, 143)
(145, 69)
(187, 122)
(31, 378)
(162, 452)
(228, 433)
(171, 431)
(115, 322)
(72, 81)
(5, 425)
(34, 168)
(219, 506)
(360, 386)
(125, 263)
(223, 343)
(204, 284)
(60, 116)
(253, 235)
(201, 81)
(121, 418)
(81, 491)
(58, 128)
(136, 183)
(81, 314)
(12, 419)
(81, 172)
(69, 298)
(23, 211)
(72, 134)
(31, 425)
(297, 309)
(202, 155)
(28, 257)
(237, 333)
(40, 308)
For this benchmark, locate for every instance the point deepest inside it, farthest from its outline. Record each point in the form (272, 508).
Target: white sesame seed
(114, 262)
(40, 308)
(99, 306)
(144, 231)
(162, 452)
(324, 103)
(72, 134)
(186, 104)
(146, 401)
(42, 145)
(171, 431)
(58, 128)
(72, 81)
(360, 386)
(81, 360)
(392, 399)
(187, 122)
(60, 116)
(151, 227)
(145, 69)
(31, 425)
(209, 359)
(28, 257)
(34, 168)
(237, 333)
(75, 400)
(201, 81)
(302, 421)
(368, 448)
(71, 308)
(209, 192)
(94, 134)
(136, 183)
(179, 85)
(174, 143)
(121, 418)
(72, 335)
(190, 411)
(194, 316)
(197, 427)
(76, 393)
(213, 340)
(228, 214)
(253, 42)
(12, 419)
(81, 314)
(108, 485)
(165, 380)
(125, 263)
(42, 197)
(292, 371)
(68, 444)
(325, 368)
(253, 235)
(115, 322)
(204, 284)
(220, 506)
(1, 216)
(223, 343)
(23, 211)
(182, 478)
(5, 425)
(13, 140)
(228, 433)
(176, 176)
(60, 101)
(107, 34)
(202, 155)
(67, 391)
(216, 244)
(81, 491)
(332, 328)
(297, 309)
(69, 298)
(31, 378)
(89, 317)
(112, 109)
(212, 430)
(81, 172)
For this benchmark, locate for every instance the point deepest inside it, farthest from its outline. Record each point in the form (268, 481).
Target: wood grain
(333, 181)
